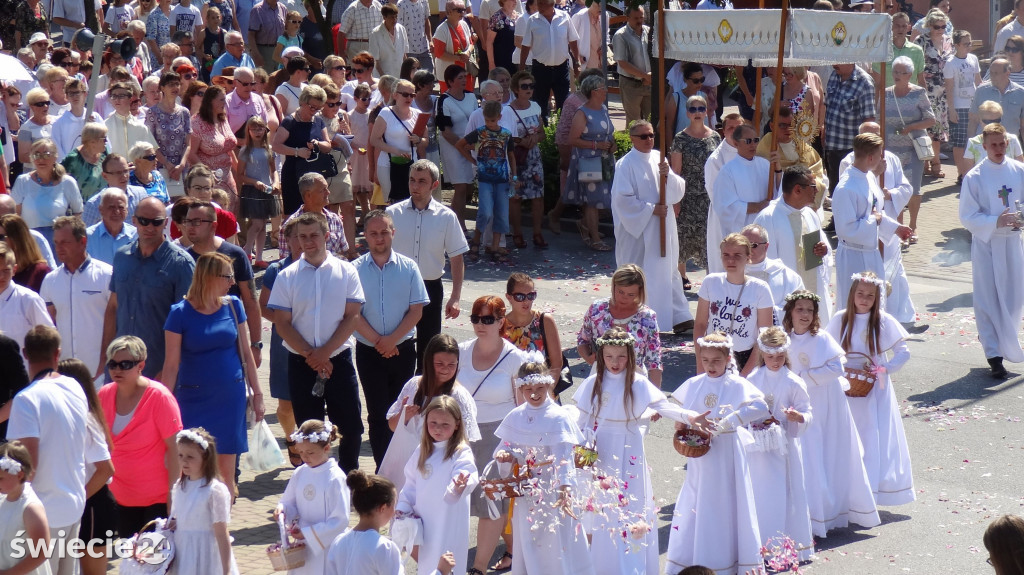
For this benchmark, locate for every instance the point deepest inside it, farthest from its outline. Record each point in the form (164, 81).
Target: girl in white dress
(439, 478)
(316, 500)
(838, 491)
(865, 327)
(775, 458)
(618, 416)
(362, 550)
(715, 520)
(540, 435)
(440, 366)
(200, 510)
(21, 512)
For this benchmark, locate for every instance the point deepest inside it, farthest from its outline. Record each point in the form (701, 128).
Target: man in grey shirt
(630, 46)
(1001, 90)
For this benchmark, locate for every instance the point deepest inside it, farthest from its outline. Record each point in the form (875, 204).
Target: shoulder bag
(520, 152)
(323, 164)
(493, 367)
(565, 376)
(472, 68)
(250, 411)
(399, 166)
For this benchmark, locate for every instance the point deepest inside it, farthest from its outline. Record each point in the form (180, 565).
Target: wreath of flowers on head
(10, 465)
(803, 295)
(194, 438)
(627, 341)
(859, 277)
(535, 379)
(315, 437)
(772, 350)
(727, 344)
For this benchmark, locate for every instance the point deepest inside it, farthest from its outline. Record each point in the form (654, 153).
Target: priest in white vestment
(781, 280)
(787, 220)
(638, 215)
(897, 191)
(740, 191)
(791, 152)
(859, 214)
(989, 201)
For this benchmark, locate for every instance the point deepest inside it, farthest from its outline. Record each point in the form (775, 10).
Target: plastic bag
(264, 453)
(407, 532)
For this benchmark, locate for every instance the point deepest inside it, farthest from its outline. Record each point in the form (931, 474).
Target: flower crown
(860, 277)
(626, 341)
(194, 438)
(798, 295)
(315, 437)
(727, 344)
(10, 465)
(535, 379)
(772, 350)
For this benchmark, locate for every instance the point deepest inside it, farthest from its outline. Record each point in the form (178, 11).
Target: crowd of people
(134, 226)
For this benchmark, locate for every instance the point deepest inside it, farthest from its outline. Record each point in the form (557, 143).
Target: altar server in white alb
(858, 210)
(740, 192)
(540, 435)
(787, 220)
(989, 203)
(638, 216)
(874, 340)
(725, 151)
(897, 190)
(781, 280)
(715, 518)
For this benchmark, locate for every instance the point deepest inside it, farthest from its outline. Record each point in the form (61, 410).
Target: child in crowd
(210, 40)
(540, 435)
(21, 512)
(119, 14)
(290, 37)
(362, 550)
(439, 478)
(865, 329)
(359, 163)
(440, 366)
(200, 510)
(961, 74)
(838, 491)
(495, 170)
(715, 519)
(257, 174)
(615, 404)
(775, 458)
(316, 496)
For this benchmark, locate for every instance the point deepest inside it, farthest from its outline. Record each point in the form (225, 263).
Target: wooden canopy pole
(757, 90)
(663, 136)
(777, 100)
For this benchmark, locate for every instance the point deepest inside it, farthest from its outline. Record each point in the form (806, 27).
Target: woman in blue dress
(593, 160)
(203, 365)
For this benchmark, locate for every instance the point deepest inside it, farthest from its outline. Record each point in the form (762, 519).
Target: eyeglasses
(74, 93)
(117, 173)
(295, 21)
(697, 80)
(244, 84)
(748, 140)
(42, 104)
(754, 246)
(484, 319)
(196, 222)
(358, 70)
(332, 104)
(149, 158)
(697, 109)
(41, 155)
(188, 76)
(229, 277)
(155, 222)
(120, 96)
(1013, 49)
(314, 109)
(123, 365)
(526, 86)
(136, 101)
(363, 99)
(406, 94)
(459, 10)
(993, 120)
(643, 136)
(521, 297)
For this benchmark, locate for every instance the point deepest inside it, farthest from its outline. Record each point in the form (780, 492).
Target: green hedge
(549, 157)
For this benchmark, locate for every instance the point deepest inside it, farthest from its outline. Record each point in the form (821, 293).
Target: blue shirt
(103, 246)
(146, 288)
(91, 211)
(226, 60)
(389, 292)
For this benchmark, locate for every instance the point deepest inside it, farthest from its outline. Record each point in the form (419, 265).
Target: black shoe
(831, 227)
(998, 371)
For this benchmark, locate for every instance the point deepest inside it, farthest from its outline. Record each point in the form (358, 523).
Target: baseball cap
(292, 51)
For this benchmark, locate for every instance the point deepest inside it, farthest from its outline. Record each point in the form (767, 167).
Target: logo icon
(725, 31)
(839, 33)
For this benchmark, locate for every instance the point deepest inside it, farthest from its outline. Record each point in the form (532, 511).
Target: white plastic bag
(407, 532)
(264, 453)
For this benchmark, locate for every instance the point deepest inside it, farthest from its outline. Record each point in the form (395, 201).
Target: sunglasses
(1013, 49)
(123, 365)
(229, 277)
(644, 136)
(295, 21)
(754, 246)
(340, 68)
(196, 222)
(188, 76)
(244, 84)
(484, 319)
(992, 121)
(749, 140)
(526, 86)
(364, 99)
(43, 104)
(155, 222)
(939, 27)
(406, 94)
(459, 10)
(521, 297)
(149, 158)
(697, 80)
(41, 155)
(358, 70)
(332, 104)
(697, 109)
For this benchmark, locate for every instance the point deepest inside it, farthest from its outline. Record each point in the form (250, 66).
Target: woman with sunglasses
(38, 125)
(211, 142)
(193, 97)
(395, 143)
(144, 174)
(938, 47)
(30, 266)
(143, 419)
(690, 150)
(334, 66)
(487, 365)
(528, 329)
(47, 192)
(296, 138)
(529, 132)
(361, 73)
(675, 104)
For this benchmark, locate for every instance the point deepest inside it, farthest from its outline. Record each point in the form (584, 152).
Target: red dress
(216, 150)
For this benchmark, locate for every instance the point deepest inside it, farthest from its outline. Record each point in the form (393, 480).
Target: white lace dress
(196, 506)
(12, 520)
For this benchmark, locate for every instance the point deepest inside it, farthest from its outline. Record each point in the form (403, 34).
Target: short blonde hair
(36, 95)
(203, 291)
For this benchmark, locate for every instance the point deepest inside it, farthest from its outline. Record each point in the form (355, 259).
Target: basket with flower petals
(584, 455)
(691, 442)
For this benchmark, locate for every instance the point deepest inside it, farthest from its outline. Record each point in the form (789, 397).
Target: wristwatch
(256, 345)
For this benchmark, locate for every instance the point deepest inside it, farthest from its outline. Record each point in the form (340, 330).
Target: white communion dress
(12, 520)
(195, 506)
(320, 499)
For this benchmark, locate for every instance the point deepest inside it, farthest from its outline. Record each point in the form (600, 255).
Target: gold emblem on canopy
(725, 31)
(839, 33)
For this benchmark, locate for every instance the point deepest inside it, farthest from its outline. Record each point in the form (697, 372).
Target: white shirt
(427, 235)
(314, 296)
(55, 411)
(733, 308)
(67, 131)
(21, 309)
(123, 132)
(183, 16)
(80, 299)
(389, 51)
(549, 41)
(493, 391)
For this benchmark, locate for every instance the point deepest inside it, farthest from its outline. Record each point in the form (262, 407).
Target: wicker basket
(684, 437)
(584, 456)
(287, 554)
(861, 380)
(502, 487)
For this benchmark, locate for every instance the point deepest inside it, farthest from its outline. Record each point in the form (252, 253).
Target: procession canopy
(813, 37)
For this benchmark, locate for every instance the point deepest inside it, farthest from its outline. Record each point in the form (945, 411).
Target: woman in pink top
(213, 143)
(144, 419)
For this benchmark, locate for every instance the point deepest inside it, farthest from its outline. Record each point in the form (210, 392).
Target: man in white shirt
(77, 292)
(430, 231)
(389, 42)
(548, 33)
(317, 330)
(21, 309)
(780, 278)
(989, 204)
(50, 418)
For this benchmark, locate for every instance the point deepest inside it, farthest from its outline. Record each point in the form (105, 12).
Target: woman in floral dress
(626, 309)
(528, 133)
(938, 47)
(213, 143)
(591, 136)
(689, 151)
(501, 31)
(29, 17)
